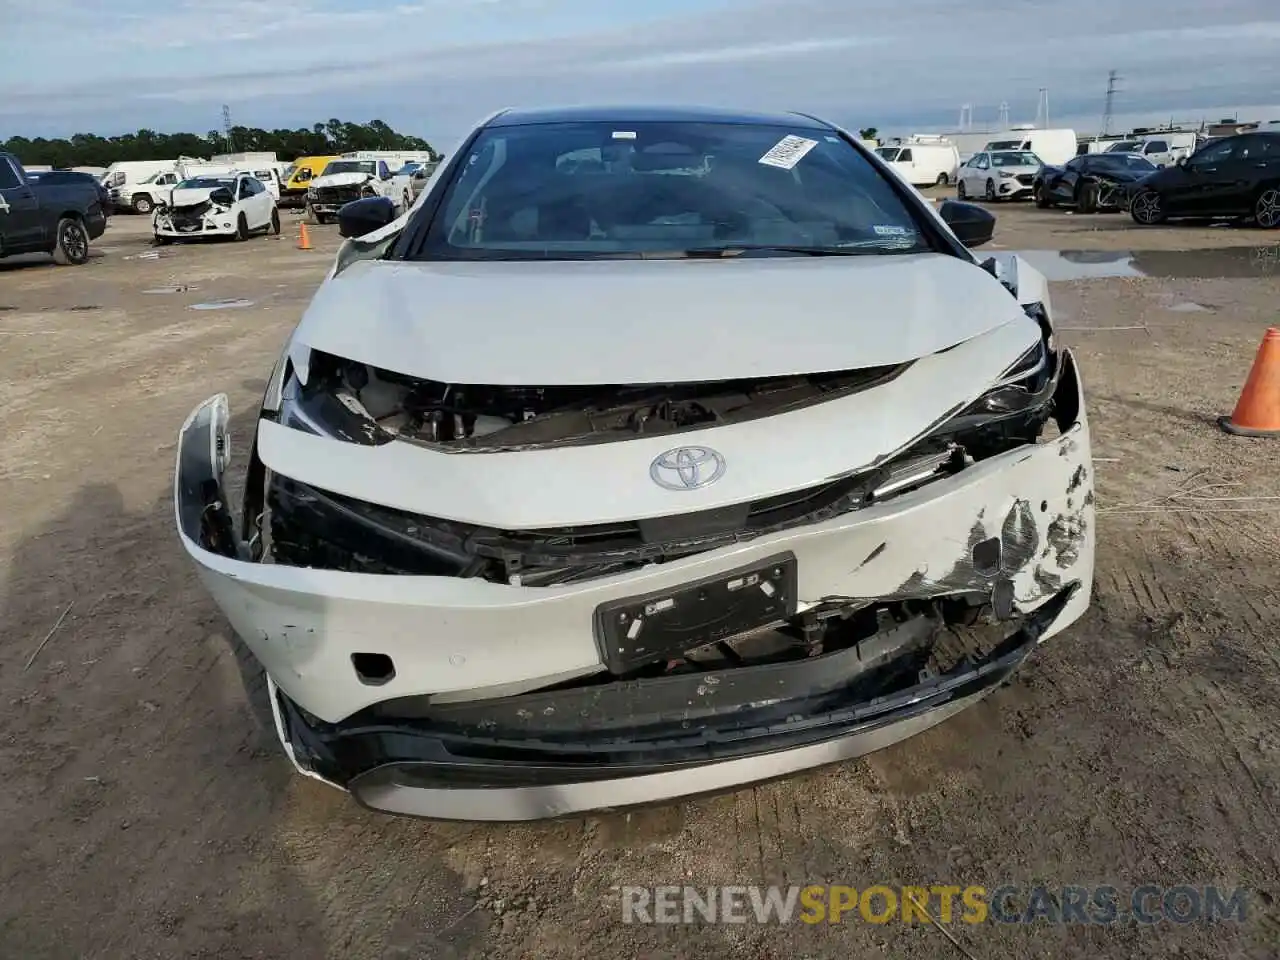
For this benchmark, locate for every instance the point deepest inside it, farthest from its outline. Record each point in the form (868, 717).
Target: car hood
(1018, 170)
(190, 196)
(341, 179)
(648, 321)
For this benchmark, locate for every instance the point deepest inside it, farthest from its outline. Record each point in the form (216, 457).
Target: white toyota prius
(652, 452)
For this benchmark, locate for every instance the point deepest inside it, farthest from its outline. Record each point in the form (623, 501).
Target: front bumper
(472, 659)
(1013, 189)
(218, 225)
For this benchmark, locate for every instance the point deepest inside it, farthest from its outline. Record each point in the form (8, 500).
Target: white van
(923, 161)
(123, 178)
(1054, 147)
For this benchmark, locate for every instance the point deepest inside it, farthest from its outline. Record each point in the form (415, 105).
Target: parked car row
(1230, 177)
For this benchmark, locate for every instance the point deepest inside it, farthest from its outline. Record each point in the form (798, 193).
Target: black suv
(1233, 177)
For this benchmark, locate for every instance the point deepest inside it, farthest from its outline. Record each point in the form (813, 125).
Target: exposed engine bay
(363, 404)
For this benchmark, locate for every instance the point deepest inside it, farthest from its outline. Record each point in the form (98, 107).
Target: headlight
(1006, 175)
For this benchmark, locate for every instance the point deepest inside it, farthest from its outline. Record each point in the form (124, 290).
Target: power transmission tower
(226, 128)
(1108, 111)
(1042, 108)
(966, 116)
(1004, 115)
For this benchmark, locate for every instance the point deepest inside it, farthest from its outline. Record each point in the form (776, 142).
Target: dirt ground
(149, 813)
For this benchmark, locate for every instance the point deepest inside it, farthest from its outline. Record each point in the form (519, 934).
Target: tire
(408, 201)
(1088, 198)
(942, 181)
(71, 248)
(311, 216)
(142, 204)
(1266, 209)
(961, 192)
(162, 241)
(990, 195)
(323, 218)
(274, 227)
(242, 228)
(1041, 196)
(1147, 208)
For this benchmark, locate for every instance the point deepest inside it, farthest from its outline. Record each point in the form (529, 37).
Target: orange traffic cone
(1257, 412)
(304, 238)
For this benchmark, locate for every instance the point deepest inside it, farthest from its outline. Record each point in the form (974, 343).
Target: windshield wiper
(737, 249)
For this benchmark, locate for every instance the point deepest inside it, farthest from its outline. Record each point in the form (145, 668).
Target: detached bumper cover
(475, 743)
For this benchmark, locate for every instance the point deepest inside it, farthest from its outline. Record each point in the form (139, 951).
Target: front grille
(338, 194)
(1026, 179)
(191, 216)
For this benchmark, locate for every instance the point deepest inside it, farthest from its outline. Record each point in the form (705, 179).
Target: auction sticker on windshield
(788, 151)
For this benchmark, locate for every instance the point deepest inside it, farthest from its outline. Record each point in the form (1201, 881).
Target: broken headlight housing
(1014, 409)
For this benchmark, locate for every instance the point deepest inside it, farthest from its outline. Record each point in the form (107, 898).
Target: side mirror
(361, 217)
(973, 225)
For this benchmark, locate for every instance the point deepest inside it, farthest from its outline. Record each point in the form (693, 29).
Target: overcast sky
(433, 67)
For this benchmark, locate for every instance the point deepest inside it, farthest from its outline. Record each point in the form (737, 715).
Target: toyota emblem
(687, 468)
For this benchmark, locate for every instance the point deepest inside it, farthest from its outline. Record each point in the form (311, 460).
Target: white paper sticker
(788, 151)
(890, 231)
(624, 134)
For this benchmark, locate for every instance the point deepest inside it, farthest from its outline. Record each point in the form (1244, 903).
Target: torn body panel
(467, 638)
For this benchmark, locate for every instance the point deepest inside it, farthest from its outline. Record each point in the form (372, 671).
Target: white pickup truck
(346, 180)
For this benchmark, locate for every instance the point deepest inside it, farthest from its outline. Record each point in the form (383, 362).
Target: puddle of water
(1230, 263)
(231, 303)
(1188, 307)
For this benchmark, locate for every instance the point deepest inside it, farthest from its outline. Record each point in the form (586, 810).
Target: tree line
(91, 150)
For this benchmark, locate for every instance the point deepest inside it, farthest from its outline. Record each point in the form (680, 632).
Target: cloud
(435, 66)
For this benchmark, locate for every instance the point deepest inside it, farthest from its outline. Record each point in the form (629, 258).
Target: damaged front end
(451, 669)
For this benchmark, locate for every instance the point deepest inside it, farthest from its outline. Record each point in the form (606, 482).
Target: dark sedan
(1091, 182)
(1233, 177)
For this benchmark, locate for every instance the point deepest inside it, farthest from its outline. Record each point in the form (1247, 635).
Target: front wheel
(961, 192)
(1041, 196)
(242, 228)
(274, 228)
(1088, 202)
(991, 190)
(942, 180)
(142, 204)
(1147, 208)
(1266, 210)
(71, 248)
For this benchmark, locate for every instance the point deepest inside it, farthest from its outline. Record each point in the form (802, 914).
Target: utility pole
(966, 116)
(1004, 115)
(1108, 111)
(226, 128)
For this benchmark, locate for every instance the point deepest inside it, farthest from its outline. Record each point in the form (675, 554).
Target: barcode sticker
(788, 151)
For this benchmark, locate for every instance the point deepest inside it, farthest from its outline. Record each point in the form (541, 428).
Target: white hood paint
(609, 482)
(648, 321)
(347, 179)
(190, 196)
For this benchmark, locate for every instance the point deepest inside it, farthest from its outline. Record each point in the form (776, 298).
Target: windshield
(1124, 145)
(889, 153)
(350, 166)
(204, 183)
(408, 169)
(1004, 145)
(1015, 158)
(590, 189)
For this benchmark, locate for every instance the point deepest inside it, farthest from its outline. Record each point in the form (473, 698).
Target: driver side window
(983, 162)
(904, 156)
(1215, 154)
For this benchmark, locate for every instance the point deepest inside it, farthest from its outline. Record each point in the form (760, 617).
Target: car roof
(654, 114)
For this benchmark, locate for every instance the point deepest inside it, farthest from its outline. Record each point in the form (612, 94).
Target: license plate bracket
(634, 631)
